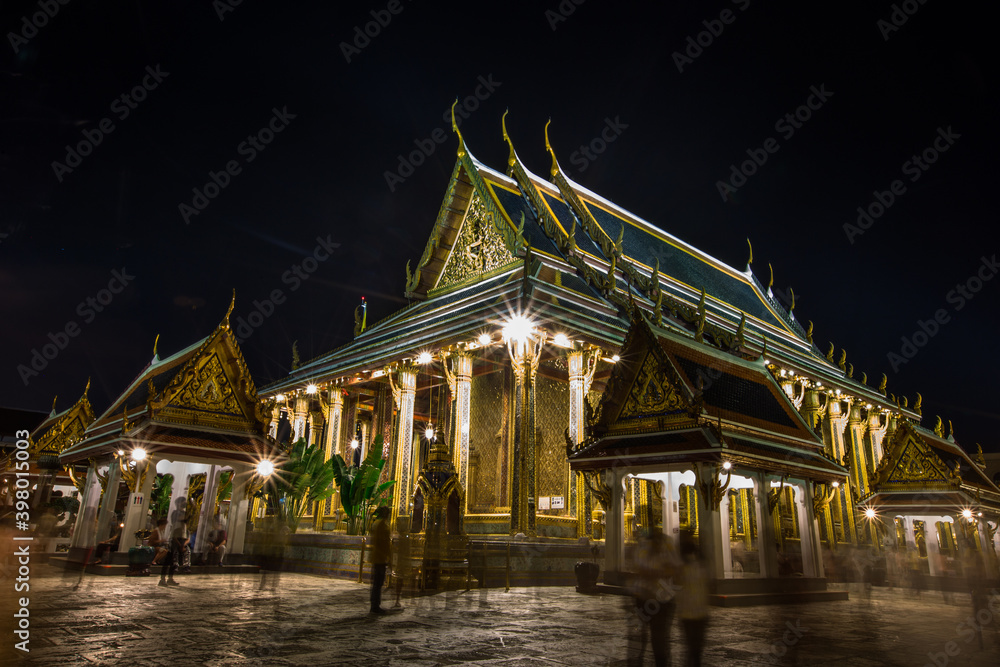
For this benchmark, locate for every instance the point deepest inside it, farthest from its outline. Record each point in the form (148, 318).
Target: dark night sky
(324, 174)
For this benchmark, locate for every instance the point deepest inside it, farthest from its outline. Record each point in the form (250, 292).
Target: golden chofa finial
(792, 308)
(829, 353)
(939, 427)
(883, 383)
(156, 342)
(770, 283)
(809, 332)
(454, 128)
(864, 378)
(512, 158)
(555, 163)
(750, 260)
(229, 311)
(842, 362)
(54, 399)
(917, 404)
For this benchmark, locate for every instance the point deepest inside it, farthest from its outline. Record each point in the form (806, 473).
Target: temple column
(405, 393)
(670, 491)
(933, 545)
(137, 509)
(614, 541)
(460, 384)
(334, 419)
(86, 518)
(577, 362)
(314, 429)
(272, 427)
(207, 514)
(808, 530)
(239, 507)
(727, 551)
(710, 528)
(299, 418)
(107, 514)
(855, 446)
(767, 542)
(525, 351)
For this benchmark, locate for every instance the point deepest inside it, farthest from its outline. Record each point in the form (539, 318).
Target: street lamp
(138, 454)
(265, 468)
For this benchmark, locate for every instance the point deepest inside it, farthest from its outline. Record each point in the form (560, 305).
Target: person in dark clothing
(107, 545)
(381, 541)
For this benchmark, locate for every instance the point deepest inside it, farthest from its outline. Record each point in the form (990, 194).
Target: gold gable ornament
(479, 247)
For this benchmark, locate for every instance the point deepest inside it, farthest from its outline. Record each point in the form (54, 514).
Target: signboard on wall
(543, 503)
(558, 502)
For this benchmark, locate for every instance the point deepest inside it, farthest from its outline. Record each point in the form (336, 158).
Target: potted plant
(139, 556)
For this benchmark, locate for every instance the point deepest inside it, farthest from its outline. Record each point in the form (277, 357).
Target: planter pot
(586, 576)
(139, 559)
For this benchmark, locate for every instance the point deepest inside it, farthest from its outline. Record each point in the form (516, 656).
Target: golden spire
(770, 283)
(87, 388)
(548, 147)
(750, 261)
(454, 128)
(54, 399)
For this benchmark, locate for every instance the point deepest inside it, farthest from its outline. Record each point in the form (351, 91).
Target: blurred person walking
(381, 540)
(653, 591)
(692, 601)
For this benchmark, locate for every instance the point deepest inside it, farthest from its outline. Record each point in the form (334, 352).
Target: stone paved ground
(306, 620)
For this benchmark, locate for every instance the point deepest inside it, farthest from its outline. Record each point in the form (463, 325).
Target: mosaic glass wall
(486, 421)
(552, 419)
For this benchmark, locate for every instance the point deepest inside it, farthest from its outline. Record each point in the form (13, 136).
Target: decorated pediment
(213, 389)
(652, 393)
(479, 247)
(912, 464)
(68, 428)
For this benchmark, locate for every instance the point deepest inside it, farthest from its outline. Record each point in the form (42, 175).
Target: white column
(334, 417)
(107, 514)
(803, 505)
(462, 369)
(138, 505)
(207, 515)
(933, 546)
(404, 443)
(710, 522)
(767, 540)
(727, 550)
(614, 534)
(239, 507)
(272, 427)
(299, 419)
(86, 518)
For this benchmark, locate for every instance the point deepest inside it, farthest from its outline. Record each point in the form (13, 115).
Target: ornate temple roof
(672, 399)
(198, 402)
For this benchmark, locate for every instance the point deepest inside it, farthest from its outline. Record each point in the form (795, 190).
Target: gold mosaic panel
(552, 419)
(486, 442)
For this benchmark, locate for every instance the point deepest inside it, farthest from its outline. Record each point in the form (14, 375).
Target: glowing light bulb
(836, 484)
(726, 465)
(485, 339)
(429, 433)
(424, 358)
(967, 514)
(265, 468)
(562, 340)
(354, 443)
(869, 513)
(615, 358)
(138, 454)
(518, 329)
(311, 389)
(279, 397)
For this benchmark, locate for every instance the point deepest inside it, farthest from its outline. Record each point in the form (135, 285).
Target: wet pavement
(305, 620)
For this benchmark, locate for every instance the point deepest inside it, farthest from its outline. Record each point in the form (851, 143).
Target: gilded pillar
(404, 393)
(460, 386)
(855, 445)
(581, 366)
(874, 437)
(272, 427)
(334, 418)
(524, 354)
(299, 418)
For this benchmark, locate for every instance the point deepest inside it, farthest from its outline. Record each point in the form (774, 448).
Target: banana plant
(360, 492)
(304, 479)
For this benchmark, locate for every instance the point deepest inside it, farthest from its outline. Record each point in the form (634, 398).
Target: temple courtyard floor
(306, 620)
